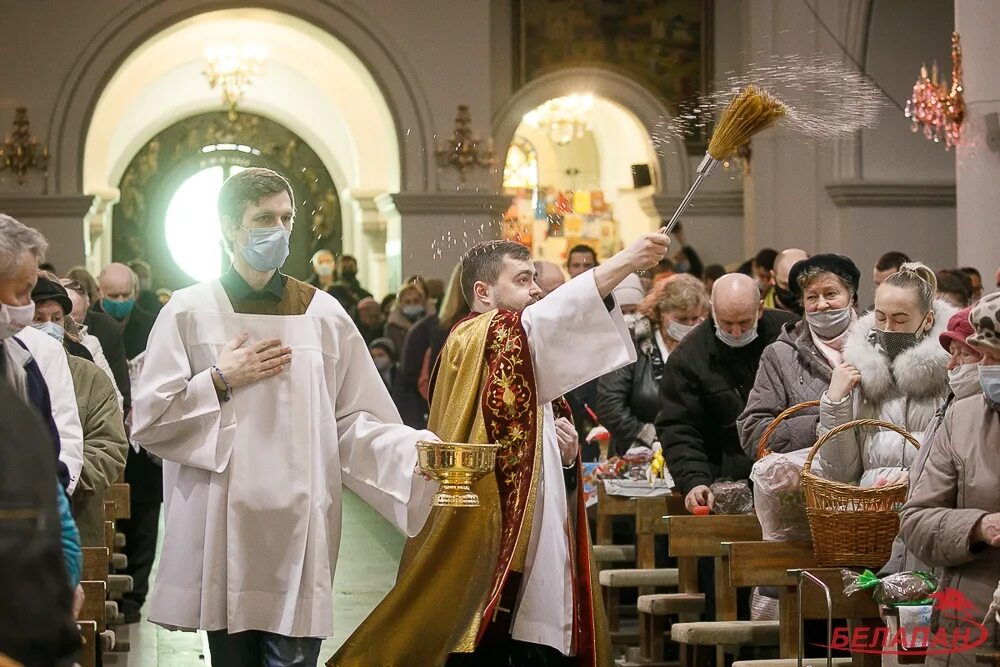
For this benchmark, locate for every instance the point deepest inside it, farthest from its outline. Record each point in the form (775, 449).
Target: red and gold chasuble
(459, 578)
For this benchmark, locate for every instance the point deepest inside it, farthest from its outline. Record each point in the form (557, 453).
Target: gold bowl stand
(456, 466)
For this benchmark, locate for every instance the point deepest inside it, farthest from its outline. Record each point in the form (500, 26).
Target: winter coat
(792, 371)
(405, 392)
(629, 398)
(906, 392)
(957, 488)
(704, 389)
(902, 559)
(104, 447)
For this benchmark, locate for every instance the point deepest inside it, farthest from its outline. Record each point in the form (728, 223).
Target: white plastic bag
(777, 496)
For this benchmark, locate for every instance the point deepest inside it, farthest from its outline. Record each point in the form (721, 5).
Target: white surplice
(573, 338)
(252, 486)
(51, 359)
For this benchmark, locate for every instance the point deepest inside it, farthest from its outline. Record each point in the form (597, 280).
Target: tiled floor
(366, 569)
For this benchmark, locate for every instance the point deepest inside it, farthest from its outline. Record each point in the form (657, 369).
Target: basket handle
(762, 450)
(857, 423)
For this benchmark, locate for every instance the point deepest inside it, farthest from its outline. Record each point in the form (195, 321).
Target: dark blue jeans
(255, 648)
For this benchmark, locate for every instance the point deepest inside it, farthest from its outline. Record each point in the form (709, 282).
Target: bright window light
(192, 225)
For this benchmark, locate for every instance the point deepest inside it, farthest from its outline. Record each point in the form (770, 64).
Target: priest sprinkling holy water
(510, 582)
(261, 398)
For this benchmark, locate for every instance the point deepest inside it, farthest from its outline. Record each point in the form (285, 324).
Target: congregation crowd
(720, 354)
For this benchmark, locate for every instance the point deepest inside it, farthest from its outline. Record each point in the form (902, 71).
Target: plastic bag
(899, 588)
(763, 608)
(732, 497)
(638, 459)
(777, 496)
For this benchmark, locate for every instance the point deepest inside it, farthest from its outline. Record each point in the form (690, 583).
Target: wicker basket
(762, 449)
(852, 526)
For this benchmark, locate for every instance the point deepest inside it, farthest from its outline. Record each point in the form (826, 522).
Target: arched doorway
(319, 82)
(582, 169)
(167, 210)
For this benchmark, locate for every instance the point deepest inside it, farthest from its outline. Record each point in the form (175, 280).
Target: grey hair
(15, 239)
(810, 275)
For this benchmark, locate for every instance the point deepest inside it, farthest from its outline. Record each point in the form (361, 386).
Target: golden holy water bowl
(456, 466)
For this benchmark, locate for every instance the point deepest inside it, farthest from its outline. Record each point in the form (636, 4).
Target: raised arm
(644, 253)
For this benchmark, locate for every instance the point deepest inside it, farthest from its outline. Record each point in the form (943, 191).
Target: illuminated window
(192, 225)
(520, 171)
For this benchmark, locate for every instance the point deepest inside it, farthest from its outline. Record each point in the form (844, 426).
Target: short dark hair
(348, 257)
(971, 271)
(954, 281)
(484, 262)
(248, 187)
(765, 258)
(714, 271)
(581, 247)
(891, 260)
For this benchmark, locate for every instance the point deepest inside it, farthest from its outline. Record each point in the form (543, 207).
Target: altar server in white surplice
(261, 398)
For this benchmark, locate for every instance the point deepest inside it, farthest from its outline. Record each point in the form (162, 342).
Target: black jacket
(108, 331)
(36, 620)
(135, 332)
(142, 474)
(704, 389)
(629, 398)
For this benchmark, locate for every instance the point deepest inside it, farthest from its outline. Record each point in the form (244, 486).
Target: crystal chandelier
(562, 118)
(936, 108)
(232, 69)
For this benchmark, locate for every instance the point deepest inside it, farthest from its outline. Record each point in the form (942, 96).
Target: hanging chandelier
(563, 119)
(232, 69)
(936, 108)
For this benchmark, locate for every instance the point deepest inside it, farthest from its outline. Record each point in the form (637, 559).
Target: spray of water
(826, 99)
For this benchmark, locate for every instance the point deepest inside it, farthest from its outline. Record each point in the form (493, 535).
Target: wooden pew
(859, 609)
(646, 577)
(696, 537)
(766, 564)
(88, 653)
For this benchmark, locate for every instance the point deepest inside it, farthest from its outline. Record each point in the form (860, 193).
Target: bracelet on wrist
(229, 389)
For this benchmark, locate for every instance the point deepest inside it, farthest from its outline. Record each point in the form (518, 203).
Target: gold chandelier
(232, 69)
(563, 118)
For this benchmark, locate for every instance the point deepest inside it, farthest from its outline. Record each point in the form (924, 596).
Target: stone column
(977, 170)
(367, 239)
(427, 232)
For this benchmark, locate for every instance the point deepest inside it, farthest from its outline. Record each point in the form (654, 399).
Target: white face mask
(15, 318)
(677, 331)
(744, 339)
(830, 323)
(964, 380)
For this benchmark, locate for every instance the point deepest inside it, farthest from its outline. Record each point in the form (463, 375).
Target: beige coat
(960, 484)
(104, 447)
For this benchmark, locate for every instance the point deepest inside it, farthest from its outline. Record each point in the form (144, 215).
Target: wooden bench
(695, 537)
(859, 610)
(645, 577)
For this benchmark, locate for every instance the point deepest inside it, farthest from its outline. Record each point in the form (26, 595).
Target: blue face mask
(118, 309)
(267, 248)
(989, 380)
(52, 329)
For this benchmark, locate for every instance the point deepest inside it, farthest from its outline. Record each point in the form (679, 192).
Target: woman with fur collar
(895, 370)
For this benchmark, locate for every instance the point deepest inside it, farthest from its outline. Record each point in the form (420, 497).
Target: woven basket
(762, 449)
(852, 526)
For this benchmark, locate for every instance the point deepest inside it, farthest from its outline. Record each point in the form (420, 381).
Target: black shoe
(131, 613)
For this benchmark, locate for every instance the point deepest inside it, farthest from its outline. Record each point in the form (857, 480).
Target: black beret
(837, 264)
(49, 290)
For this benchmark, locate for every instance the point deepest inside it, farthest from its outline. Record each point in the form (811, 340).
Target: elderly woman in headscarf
(952, 517)
(797, 367)
(628, 399)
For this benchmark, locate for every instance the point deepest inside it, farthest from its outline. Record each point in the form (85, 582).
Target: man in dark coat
(705, 386)
(143, 475)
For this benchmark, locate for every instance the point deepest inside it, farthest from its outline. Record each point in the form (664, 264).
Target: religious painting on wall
(663, 44)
